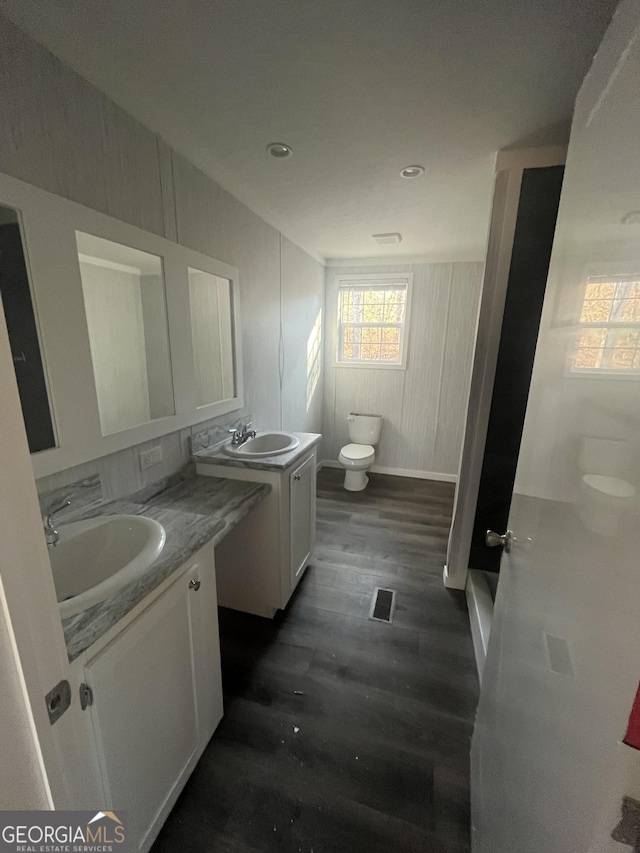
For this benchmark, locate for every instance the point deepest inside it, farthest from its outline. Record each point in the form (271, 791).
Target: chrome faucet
(51, 535)
(239, 436)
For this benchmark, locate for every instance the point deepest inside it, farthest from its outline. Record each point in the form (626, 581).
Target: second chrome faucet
(239, 436)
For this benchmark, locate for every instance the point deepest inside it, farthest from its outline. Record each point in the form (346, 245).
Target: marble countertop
(193, 511)
(216, 456)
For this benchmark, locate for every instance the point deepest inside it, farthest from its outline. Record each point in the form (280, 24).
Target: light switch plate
(150, 457)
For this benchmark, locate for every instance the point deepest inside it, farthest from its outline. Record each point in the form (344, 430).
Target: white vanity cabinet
(155, 697)
(302, 516)
(260, 562)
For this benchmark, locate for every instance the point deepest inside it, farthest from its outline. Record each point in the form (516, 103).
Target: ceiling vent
(386, 239)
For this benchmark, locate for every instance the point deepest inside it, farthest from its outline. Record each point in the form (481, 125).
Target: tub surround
(192, 509)
(214, 454)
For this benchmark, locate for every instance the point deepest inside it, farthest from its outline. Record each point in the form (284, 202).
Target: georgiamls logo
(100, 815)
(64, 832)
(105, 834)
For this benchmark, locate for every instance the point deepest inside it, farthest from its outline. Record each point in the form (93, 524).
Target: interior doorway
(533, 239)
(527, 207)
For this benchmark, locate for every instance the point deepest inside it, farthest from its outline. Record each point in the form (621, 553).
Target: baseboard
(398, 472)
(480, 604)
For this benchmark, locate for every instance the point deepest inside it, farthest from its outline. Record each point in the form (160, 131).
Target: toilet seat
(611, 486)
(357, 452)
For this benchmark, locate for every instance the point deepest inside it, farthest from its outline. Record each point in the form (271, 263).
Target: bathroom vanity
(260, 563)
(145, 663)
(152, 695)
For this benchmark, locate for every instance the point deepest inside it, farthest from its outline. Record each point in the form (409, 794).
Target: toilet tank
(364, 429)
(607, 456)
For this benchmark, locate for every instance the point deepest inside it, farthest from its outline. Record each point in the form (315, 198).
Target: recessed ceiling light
(412, 172)
(391, 237)
(279, 150)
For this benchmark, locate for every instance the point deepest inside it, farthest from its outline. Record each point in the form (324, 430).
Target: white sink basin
(95, 558)
(264, 444)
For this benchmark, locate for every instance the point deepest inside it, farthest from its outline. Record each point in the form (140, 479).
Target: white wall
(423, 405)
(62, 134)
(302, 324)
(113, 305)
(156, 342)
(207, 337)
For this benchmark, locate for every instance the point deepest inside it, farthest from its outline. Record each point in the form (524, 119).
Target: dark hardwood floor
(341, 733)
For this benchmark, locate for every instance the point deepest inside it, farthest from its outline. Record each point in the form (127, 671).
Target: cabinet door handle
(296, 476)
(194, 584)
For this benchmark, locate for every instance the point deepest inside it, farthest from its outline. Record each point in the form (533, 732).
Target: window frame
(608, 274)
(357, 281)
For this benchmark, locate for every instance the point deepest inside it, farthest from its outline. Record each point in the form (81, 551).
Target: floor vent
(383, 605)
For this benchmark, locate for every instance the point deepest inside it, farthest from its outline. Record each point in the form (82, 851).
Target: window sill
(375, 365)
(596, 373)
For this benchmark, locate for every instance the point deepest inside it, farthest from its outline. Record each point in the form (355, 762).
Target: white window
(373, 313)
(609, 336)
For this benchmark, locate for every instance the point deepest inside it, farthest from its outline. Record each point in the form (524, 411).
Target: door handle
(194, 584)
(296, 477)
(495, 540)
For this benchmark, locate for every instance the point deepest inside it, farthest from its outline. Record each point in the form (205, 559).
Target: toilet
(356, 458)
(605, 496)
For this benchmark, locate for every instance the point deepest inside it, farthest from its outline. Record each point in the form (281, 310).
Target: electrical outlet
(150, 457)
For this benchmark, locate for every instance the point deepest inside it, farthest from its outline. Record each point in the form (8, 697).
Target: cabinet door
(302, 513)
(206, 643)
(144, 710)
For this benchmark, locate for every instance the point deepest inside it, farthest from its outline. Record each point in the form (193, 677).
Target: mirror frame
(48, 224)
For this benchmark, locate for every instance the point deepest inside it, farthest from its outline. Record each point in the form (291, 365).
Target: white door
(548, 766)
(33, 655)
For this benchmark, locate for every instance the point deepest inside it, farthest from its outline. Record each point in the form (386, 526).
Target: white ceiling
(358, 88)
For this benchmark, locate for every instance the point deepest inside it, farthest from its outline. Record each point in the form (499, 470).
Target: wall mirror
(126, 309)
(118, 335)
(15, 291)
(212, 332)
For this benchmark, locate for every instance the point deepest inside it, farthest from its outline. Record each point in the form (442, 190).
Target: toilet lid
(610, 485)
(357, 451)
